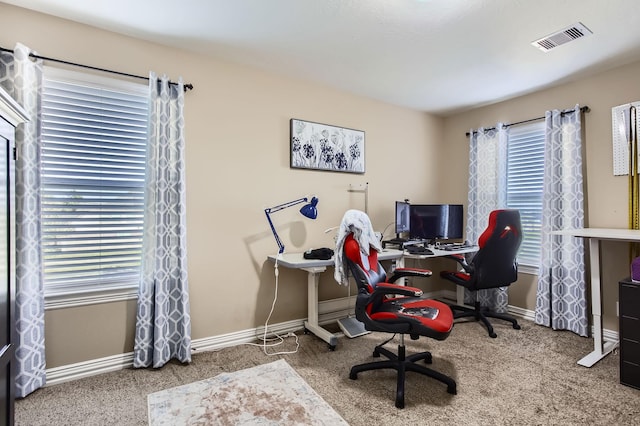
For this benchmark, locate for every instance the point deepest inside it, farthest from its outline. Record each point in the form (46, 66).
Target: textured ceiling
(440, 56)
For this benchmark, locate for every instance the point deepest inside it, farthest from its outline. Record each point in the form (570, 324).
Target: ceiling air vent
(558, 38)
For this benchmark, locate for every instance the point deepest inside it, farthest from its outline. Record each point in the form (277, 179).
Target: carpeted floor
(524, 377)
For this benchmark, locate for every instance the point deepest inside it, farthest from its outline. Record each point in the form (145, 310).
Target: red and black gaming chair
(406, 313)
(493, 266)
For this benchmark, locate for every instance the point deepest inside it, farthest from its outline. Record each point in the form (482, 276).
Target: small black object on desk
(324, 253)
(394, 242)
(418, 250)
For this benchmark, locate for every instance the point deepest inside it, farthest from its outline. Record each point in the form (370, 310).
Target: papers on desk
(452, 248)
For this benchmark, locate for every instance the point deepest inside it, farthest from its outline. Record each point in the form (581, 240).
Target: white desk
(314, 268)
(442, 253)
(595, 235)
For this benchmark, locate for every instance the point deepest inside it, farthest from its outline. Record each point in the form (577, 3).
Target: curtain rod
(566, 111)
(187, 86)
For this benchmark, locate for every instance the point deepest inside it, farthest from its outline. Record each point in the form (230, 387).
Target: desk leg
(313, 278)
(460, 295)
(400, 264)
(600, 347)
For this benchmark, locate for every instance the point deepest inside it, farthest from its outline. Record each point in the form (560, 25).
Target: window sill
(527, 269)
(72, 300)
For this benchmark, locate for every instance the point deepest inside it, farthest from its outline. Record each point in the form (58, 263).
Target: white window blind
(525, 172)
(94, 133)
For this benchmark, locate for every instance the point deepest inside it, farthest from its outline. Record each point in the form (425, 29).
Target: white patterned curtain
(163, 323)
(21, 77)
(561, 296)
(487, 192)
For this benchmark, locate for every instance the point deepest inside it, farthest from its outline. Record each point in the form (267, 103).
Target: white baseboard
(522, 313)
(607, 334)
(329, 311)
(66, 373)
(245, 336)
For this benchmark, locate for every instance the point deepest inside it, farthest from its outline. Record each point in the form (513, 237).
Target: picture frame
(318, 146)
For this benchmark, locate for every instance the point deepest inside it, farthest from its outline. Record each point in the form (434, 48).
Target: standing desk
(314, 267)
(595, 235)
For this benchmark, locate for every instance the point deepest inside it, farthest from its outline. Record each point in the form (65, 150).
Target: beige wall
(238, 163)
(606, 194)
(237, 157)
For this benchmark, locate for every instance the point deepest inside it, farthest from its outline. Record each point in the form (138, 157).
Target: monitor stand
(352, 327)
(398, 239)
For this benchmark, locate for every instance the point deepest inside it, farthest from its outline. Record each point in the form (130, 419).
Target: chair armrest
(394, 289)
(409, 272)
(366, 300)
(381, 291)
(462, 261)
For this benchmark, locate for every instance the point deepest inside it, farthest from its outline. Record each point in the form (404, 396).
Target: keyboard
(400, 242)
(418, 250)
(453, 247)
(396, 241)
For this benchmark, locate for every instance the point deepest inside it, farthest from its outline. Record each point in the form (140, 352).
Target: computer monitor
(402, 217)
(436, 222)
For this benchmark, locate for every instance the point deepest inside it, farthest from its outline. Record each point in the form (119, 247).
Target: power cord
(277, 338)
(388, 340)
(385, 229)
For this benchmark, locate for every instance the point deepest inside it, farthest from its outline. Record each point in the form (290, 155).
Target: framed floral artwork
(320, 146)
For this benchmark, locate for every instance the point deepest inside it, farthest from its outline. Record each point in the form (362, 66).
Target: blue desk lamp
(308, 210)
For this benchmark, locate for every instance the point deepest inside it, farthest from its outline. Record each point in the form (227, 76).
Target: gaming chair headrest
(502, 223)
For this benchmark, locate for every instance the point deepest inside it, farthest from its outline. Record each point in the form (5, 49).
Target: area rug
(269, 394)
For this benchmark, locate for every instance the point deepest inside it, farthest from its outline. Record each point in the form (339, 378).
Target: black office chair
(391, 308)
(493, 266)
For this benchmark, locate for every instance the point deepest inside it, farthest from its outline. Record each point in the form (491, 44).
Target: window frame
(72, 295)
(531, 215)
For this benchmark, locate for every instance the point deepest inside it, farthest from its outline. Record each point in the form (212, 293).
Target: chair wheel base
(482, 315)
(401, 363)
